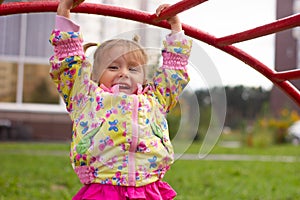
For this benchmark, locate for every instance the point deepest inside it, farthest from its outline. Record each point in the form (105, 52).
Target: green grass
(197, 180)
(30, 171)
(275, 150)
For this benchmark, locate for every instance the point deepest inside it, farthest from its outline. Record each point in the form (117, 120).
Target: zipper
(133, 145)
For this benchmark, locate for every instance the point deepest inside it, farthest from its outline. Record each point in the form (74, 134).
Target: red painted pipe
(287, 75)
(277, 26)
(176, 8)
(140, 16)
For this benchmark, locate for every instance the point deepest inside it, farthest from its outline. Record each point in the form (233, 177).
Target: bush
(273, 130)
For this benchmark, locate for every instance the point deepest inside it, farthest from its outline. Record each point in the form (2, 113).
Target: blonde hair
(132, 48)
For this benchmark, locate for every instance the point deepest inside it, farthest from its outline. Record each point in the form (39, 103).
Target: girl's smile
(123, 69)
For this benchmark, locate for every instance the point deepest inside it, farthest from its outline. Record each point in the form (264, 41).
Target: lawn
(32, 171)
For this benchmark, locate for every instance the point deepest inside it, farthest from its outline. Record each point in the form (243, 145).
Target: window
(24, 66)
(38, 87)
(8, 81)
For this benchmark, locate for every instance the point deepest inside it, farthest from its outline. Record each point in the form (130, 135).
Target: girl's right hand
(77, 2)
(65, 6)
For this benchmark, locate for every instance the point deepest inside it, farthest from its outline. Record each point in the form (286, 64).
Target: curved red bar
(280, 25)
(144, 17)
(177, 8)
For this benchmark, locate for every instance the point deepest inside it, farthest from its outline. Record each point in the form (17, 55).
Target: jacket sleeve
(70, 71)
(172, 77)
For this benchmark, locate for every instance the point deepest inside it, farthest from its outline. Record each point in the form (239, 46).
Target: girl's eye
(134, 69)
(113, 67)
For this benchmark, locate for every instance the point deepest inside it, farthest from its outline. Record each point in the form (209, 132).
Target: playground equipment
(281, 79)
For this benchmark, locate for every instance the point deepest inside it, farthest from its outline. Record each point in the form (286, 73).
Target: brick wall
(36, 126)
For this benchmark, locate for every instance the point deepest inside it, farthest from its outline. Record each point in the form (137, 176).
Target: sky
(221, 18)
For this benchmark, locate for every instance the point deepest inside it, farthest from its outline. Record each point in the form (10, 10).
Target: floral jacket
(118, 139)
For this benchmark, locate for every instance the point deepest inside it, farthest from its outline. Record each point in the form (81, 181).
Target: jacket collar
(115, 89)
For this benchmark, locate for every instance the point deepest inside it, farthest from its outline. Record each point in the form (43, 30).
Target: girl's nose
(124, 73)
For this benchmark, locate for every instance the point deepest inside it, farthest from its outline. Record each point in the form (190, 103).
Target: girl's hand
(76, 3)
(65, 6)
(173, 21)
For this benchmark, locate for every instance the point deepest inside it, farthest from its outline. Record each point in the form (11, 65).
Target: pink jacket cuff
(66, 25)
(175, 36)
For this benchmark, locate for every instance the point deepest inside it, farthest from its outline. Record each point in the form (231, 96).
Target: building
(287, 50)
(28, 98)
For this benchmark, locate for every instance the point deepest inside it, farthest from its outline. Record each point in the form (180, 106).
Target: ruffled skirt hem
(158, 190)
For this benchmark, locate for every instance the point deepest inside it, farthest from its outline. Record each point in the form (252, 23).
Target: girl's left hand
(173, 21)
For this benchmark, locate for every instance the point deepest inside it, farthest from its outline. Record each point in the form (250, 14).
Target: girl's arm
(65, 7)
(69, 70)
(171, 78)
(173, 21)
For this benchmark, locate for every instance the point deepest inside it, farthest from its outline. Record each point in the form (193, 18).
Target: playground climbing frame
(281, 79)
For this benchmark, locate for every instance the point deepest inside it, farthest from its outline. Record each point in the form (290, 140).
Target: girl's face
(122, 69)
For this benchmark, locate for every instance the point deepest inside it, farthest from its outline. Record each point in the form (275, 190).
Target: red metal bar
(287, 75)
(176, 8)
(277, 26)
(90, 8)
(140, 16)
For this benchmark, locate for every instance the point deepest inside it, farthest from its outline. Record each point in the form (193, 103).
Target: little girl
(120, 141)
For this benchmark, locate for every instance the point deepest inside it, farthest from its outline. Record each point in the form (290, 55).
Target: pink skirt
(158, 190)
